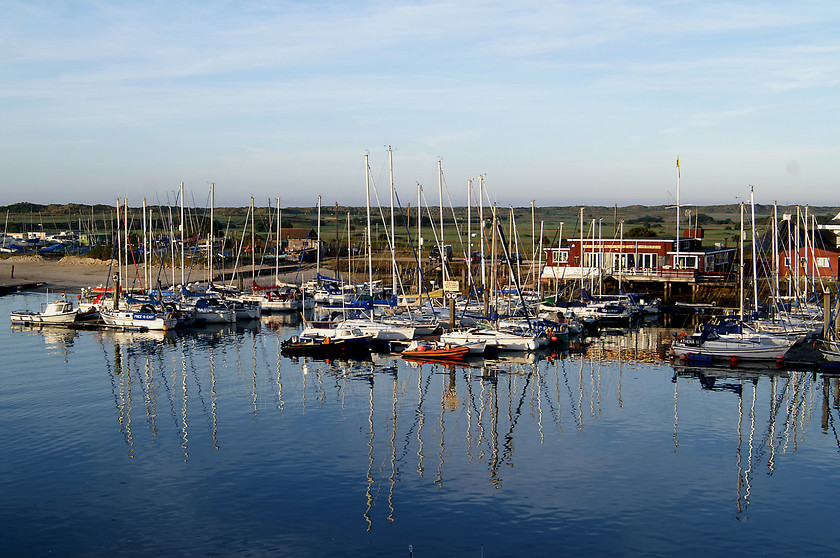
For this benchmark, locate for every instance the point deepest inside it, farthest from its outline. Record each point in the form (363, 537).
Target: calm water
(213, 443)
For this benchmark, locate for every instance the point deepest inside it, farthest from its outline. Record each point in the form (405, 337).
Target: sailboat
(742, 342)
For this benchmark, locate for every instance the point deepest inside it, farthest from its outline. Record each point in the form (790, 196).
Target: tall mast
(796, 252)
(393, 231)
(494, 277)
(210, 249)
(442, 241)
(277, 248)
(253, 248)
(172, 245)
(621, 255)
(677, 260)
(775, 249)
(370, 255)
(183, 230)
(119, 246)
(125, 231)
(267, 237)
(349, 254)
(481, 234)
(468, 260)
(741, 269)
(538, 276)
(419, 239)
(145, 251)
(318, 246)
(601, 264)
(754, 238)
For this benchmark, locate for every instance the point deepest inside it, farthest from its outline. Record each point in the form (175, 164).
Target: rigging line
(516, 283)
(578, 223)
(454, 218)
(388, 235)
(303, 252)
(438, 242)
(415, 254)
(239, 251)
(198, 223)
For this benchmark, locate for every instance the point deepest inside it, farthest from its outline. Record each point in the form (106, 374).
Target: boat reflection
(774, 409)
(431, 420)
(57, 339)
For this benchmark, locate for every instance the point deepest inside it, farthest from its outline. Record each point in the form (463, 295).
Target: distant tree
(644, 220)
(641, 232)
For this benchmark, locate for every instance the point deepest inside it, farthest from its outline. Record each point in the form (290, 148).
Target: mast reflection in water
(212, 441)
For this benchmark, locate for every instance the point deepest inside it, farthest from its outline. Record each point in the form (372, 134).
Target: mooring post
(12, 276)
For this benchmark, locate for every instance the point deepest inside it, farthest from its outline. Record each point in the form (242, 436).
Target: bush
(101, 252)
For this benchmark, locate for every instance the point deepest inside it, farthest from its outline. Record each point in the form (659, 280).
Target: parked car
(475, 257)
(434, 255)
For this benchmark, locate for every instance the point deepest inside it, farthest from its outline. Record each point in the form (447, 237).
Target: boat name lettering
(142, 316)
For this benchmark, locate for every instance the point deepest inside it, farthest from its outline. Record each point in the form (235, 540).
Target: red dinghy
(434, 351)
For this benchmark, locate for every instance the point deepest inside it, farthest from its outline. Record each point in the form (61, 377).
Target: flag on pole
(678, 162)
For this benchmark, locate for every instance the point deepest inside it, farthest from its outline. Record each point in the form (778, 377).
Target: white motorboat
(498, 339)
(210, 310)
(381, 331)
(709, 343)
(59, 312)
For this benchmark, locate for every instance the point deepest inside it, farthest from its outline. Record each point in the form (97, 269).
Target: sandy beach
(72, 273)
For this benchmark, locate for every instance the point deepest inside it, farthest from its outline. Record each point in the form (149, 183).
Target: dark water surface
(211, 442)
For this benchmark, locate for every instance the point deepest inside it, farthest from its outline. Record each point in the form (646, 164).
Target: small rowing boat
(428, 350)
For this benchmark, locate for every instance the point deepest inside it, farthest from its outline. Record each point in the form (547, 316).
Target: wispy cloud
(277, 80)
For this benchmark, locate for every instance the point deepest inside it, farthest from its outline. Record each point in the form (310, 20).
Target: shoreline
(71, 274)
(35, 273)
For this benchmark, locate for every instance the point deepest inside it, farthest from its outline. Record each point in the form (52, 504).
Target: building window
(823, 262)
(648, 261)
(593, 259)
(687, 262)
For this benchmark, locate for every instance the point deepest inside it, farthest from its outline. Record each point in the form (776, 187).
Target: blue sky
(565, 103)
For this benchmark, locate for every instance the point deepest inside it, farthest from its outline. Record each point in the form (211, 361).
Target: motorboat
(59, 312)
(500, 340)
(710, 343)
(326, 342)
